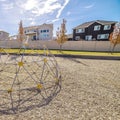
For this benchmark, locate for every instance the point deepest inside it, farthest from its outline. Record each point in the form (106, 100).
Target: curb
(91, 57)
(77, 56)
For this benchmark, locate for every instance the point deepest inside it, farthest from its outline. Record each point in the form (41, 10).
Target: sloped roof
(103, 22)
(37, 26)
(87, 24)
(3, 31)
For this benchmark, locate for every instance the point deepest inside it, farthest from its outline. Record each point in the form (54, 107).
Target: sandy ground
(90, 91)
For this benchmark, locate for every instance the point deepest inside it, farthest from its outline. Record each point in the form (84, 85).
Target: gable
(100, 22)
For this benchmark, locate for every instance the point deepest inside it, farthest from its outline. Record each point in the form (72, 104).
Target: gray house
(4, 35)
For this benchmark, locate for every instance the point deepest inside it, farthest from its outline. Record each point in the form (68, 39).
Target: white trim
(107, 27)
(97, 27)
(102, 36)
(77, 37)
(80, 30)
(88, 37)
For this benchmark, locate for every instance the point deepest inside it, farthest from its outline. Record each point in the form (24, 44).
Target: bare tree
(61, 37)
(21, 37)
(20, 32)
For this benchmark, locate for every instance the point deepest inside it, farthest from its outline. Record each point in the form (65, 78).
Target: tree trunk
(60, 47)
(113, 48)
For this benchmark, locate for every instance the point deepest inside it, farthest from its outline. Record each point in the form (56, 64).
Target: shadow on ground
(35, 98)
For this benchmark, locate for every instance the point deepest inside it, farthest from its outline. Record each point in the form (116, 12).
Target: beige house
(4, 35)
(40, 32)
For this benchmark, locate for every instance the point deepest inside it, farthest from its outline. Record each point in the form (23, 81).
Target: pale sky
(37, 12)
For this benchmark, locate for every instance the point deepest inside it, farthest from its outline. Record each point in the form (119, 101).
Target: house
(94, 30)
(13, 37)
(40, 32)
(4, 35)
(70, 37)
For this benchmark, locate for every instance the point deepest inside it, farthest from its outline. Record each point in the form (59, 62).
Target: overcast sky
(37, 12)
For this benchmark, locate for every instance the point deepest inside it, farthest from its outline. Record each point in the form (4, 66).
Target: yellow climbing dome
(20, 63)
(9, 90)
(39, 86)
(45, 60)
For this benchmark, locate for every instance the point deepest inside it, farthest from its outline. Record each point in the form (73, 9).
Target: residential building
(94, 30)
(13, 37)
(40, 32)
(70, 37)
(4, 35)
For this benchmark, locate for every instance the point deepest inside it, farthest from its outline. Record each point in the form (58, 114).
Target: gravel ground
(90, 91)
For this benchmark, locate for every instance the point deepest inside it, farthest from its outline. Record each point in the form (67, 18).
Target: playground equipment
(27, 80)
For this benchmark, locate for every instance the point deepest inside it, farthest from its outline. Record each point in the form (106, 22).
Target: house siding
(40, 32)
(90, 31)
(4, 35)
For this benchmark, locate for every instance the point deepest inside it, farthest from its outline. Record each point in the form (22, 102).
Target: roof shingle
(87, 24)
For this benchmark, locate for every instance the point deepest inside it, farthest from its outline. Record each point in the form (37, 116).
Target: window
(1, 33)
(34, 37)
(88, 37)
(77, 38)
(107, 27)
(81, 30)
(103, 36)
(44, 31)
(97, 27)
(47, 35)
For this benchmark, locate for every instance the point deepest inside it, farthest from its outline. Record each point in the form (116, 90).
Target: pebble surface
(90, 91)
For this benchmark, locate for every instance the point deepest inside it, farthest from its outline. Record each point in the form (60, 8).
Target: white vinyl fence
(69, 45)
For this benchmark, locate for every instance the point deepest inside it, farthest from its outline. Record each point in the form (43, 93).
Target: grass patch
(63, 52)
